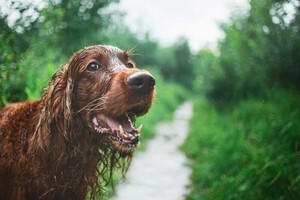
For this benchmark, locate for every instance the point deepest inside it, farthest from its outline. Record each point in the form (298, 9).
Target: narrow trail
(160, 172)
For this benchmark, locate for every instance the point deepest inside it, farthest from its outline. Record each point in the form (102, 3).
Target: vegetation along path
(160, 172)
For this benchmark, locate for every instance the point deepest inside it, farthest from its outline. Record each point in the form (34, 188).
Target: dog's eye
(130, 65)
(93, 66)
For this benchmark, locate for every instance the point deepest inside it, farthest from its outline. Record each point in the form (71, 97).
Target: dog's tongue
(124, 121)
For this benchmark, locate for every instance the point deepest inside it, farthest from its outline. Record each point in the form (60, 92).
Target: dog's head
(111, 92)
(102, 87)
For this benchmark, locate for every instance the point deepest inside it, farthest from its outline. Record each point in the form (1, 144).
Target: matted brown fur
(48, 147)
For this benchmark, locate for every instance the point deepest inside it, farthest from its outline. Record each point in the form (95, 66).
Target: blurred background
(237, 61)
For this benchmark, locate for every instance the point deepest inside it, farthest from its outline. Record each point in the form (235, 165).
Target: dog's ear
(56, 117)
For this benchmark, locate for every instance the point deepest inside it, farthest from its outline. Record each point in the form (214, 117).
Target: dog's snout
(141, 82)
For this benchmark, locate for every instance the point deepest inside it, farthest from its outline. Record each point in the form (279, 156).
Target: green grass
(250, 152)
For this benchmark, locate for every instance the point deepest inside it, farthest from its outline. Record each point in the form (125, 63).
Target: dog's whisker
(93, 103)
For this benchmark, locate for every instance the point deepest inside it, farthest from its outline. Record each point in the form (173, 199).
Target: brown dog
(67, 144)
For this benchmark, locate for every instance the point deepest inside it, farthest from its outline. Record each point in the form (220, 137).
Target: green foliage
(71, 25)
(10, 47)
(260, 50)
(206, 68)
(37, 79)
(250, 153)
(180, 68)
(35, 45)
(250, 149)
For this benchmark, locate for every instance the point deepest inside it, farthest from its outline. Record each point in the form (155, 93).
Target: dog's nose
(141, 82)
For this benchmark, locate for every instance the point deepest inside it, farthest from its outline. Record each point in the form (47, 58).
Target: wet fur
(48, 149)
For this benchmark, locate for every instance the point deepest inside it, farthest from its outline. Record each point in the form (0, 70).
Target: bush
(251, 152)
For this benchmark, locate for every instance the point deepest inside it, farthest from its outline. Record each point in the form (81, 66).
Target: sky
(167, 20)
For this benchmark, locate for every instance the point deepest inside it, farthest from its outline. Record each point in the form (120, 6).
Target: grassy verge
(251, 152)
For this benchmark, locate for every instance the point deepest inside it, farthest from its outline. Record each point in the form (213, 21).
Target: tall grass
(251, 152)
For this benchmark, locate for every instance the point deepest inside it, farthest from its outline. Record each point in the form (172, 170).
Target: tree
(41, 39)
(74, 23)
(178, 66)
(206, 68)
(11, 46)
(256, 54)
(184, 70)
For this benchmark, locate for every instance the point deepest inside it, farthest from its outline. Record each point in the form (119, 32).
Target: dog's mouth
(120, 130)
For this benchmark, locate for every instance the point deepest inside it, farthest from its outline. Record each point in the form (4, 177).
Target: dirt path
(160, 172)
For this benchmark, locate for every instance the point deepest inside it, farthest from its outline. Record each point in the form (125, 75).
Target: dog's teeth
(95, 121)
(121, 130)
(139, 128)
